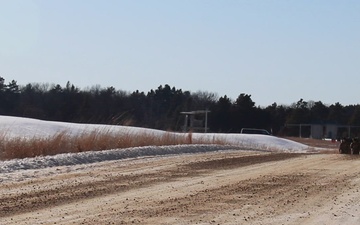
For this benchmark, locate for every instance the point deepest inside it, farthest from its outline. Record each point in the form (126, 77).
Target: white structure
(328, 131)
(196, 121)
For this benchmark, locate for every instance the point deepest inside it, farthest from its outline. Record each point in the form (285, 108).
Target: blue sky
(276, 51)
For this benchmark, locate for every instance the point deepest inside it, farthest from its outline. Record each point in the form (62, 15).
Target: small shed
(328, 131)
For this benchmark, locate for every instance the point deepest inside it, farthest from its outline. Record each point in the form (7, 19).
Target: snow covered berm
(12, 127)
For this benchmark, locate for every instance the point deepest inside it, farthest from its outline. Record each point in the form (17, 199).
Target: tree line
(160, 108)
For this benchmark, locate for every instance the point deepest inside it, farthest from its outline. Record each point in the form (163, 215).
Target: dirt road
(234, 187)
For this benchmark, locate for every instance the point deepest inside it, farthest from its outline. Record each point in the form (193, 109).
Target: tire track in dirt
(216, 188)
(40, 195)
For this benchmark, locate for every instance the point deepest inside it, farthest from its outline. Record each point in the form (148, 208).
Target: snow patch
(16, 127)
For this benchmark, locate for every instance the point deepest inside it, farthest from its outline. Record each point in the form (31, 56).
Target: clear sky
(275, 50)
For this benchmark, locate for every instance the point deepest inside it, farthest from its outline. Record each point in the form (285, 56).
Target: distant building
(329, 131)
(322, 131)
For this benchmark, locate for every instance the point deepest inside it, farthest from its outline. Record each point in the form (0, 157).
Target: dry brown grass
(99, 140)
(214, 140)
(11, 148)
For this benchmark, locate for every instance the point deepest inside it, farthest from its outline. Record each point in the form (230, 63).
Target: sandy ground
(233, 187)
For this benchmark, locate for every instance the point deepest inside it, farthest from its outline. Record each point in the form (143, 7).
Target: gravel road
(232, 187)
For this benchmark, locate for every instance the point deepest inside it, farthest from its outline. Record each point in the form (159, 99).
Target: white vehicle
(254, 131)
